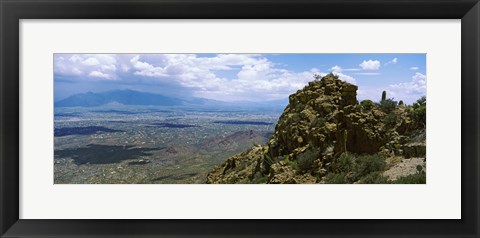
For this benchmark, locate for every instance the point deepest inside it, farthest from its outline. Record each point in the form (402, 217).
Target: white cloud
(76, 71)
(73, 58)
(352, 69)
(91, 61)
(368, 74)
(250, 77)
(410, 91)
(79, 65)
(414, 68)
(98, 74)
(257, 77)
(393, 61)
(370, 65)
(336, 68)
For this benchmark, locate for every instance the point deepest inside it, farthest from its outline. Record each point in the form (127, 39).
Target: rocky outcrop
(324, 117)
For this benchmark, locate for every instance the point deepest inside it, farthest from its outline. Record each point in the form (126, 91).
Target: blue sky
(234, 77)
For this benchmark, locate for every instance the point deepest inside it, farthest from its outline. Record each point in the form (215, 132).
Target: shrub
(319, 122)
(307, 158)
(419, 178)
(358, 107)
(268, 160)
(367, 164)
(388, 105)
(390, 120)
(374, 178)
(346, 162)
(259, 178)
(357, 168)
(421, 102)
(291, 163)
(367, 104)
(418, 113)
(336, 178)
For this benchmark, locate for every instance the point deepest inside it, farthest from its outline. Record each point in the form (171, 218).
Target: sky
(239, 77)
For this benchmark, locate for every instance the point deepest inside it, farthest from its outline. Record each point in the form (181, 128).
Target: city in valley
(152, 144)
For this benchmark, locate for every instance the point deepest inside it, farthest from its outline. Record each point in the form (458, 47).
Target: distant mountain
(131, 97)
(125, 97)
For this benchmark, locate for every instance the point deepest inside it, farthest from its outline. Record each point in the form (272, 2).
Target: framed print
(239, 118)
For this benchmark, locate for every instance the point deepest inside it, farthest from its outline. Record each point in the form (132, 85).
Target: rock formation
(323, 121)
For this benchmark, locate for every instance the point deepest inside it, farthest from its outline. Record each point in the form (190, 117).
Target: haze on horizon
(238, 77)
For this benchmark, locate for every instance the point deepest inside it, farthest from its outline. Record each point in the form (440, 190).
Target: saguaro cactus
(384, 95)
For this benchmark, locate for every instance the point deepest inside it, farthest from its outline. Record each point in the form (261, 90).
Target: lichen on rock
(325, 117)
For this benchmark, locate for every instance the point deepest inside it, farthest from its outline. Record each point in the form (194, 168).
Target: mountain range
(131, 97)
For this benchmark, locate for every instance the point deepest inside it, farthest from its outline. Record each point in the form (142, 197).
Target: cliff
(325, 135)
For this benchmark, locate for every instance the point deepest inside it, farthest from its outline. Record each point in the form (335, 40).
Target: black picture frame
(12, 11)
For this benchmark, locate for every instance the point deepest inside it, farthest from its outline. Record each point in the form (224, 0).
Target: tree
(367, 104)
(388, 105)
(419, 112)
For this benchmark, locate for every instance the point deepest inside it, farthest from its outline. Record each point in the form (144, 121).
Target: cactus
(345, 133)
(384, 95)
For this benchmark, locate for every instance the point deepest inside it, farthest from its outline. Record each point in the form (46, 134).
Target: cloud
(100, 66)
(352, 69)
(336, 68)
(249, 77)
(370, 65)
(393, 61)
(98, 74)
(412, 90)
(414, 68)
(91, 61)
(368, 74)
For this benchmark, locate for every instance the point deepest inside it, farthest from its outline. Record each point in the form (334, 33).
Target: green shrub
(291, 163)
(307, 158)
(419, 178)
(358, 107)
(367, 164)
(334, 178)
(367, 104)
(388, 105)
(421, 102)
(418, 111)
(259, 178)
(319, 122)
(358, 168)
(390, 120)
(374, 178)
(346, 162)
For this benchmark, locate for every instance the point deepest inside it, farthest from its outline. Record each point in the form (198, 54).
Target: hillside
(326, 136)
